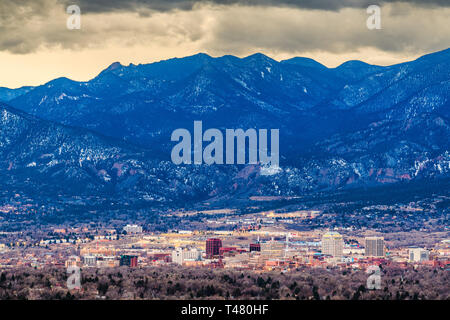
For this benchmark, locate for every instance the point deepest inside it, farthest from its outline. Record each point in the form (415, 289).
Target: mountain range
(357, 125)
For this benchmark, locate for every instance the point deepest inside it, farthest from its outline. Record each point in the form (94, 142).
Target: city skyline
(242, 152)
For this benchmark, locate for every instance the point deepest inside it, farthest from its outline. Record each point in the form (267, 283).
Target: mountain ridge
(306, 60)
(356, 125)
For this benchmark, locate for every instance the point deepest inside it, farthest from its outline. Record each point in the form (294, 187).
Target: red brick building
(213, 247)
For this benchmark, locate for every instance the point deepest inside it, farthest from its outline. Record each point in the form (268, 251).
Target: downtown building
(180, 255)
(418, 254)
(255, 247)
(128, 260)
(273, 249)
(213, 247)
(374, 247)
(333, 244)
(90, 261)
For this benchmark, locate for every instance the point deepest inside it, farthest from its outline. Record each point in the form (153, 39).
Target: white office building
(133, 228)
(179, 255)
(90, 261)
(418, 255)
(333, 244)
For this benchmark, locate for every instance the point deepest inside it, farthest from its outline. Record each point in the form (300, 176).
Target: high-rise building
(213, 247)
(418, 255)
(332, 244)
(374, 246)
(255, 247)
(131, 261)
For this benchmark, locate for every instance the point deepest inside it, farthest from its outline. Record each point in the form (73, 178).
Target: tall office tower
(374, 246)
(333, 244)
(212, 247)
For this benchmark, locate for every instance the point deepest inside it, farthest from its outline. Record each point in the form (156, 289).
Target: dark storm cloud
(98, 6)
(334, 26)
(414, 31)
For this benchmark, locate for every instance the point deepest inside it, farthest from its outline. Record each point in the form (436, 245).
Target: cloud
(36, 46)
(36, 25)
(99, 6)
(283, 30)
(30, 25)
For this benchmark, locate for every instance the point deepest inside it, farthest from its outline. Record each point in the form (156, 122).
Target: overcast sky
(36, 46)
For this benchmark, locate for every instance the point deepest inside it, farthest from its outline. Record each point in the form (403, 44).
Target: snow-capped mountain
(61, 160)
(350, 126)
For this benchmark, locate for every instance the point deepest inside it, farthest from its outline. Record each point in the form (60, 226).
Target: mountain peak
(198, 56)
(114, 66)
(257, 56)
(304, 62)
(201, 55)
(258, 59)
(353, 64)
